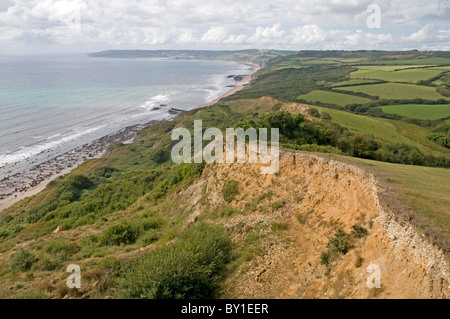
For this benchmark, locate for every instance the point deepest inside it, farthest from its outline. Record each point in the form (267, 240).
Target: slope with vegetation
(141, 226)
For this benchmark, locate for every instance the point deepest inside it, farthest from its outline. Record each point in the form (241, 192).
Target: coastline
(239, 86)
(30, 182)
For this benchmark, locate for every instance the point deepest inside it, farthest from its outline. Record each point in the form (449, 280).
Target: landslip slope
(318, 196)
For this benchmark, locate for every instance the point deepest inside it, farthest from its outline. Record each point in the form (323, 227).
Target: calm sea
(50, 105)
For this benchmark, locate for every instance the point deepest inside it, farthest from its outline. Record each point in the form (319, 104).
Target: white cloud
(423, 35)
(267, 35)
(291, 24)
(214, 35)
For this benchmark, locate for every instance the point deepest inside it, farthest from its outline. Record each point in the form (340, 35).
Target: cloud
(265, 35)
(423, 35)
(68, 25)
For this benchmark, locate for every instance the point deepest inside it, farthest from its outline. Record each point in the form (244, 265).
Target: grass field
(419, 111)
(424, 61)
(333, 98)
(442, 67)
(390, 67)
(388, 131)
(423, 189)
(397, 91)
(354, 82)
(409, 75)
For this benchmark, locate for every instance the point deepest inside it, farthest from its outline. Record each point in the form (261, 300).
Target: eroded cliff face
(313, 197)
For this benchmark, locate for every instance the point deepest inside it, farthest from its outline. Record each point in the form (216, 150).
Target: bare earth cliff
(314, 197)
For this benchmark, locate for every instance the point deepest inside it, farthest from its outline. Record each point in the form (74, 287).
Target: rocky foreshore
(18, 186)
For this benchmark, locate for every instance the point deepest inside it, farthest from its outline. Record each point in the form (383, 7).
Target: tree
(364, 146)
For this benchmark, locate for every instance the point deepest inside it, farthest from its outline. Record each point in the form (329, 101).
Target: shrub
(314, 112)
(230, 190)
(227, 211)
(89, 246)
(301, 218)
(149, 237)
(106, 171)
(359, 231)
(121, 234)
(341, 243)
(338, 245)
(276, 227)
(160, 156)
(277, 205)
(61, 249)
(364, 146)
(187, 269)
(48, 263)
(325, 116)
(285, 122)
(3, 233)
(78, 182)
(21, 260)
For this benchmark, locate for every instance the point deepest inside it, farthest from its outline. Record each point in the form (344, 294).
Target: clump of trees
(298, 133)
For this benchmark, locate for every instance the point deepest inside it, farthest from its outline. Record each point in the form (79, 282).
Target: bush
(277, 205)
(359, 231)
(89, 246)
(149, 237)
(21, 260)
(301, 218)
(341, 243)
(285, 122)
(106, 171)
(187, 269)
(276, 227)
(314, 112)
(364, 146)
(325, 116)
(230, 190)
(227, 211)
(121, 234)
(61, 249)
(338, 245)
(78, 182)
(161, 156)
(48, 263)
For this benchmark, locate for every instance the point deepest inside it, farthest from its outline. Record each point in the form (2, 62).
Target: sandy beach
(28, 183)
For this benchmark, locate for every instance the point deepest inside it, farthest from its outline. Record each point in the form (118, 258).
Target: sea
(50, 105)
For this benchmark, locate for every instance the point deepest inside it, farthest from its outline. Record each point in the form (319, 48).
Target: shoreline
(30, 182)
(239, 86)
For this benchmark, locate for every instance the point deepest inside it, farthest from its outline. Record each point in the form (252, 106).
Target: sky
(75, 26)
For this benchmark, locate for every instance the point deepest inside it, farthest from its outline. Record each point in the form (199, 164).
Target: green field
(397, 91)
(387, 131)
(424, 61)
(409, 75)
(419, 111)
(424, 189)
(332, 98)
(442, 67)
(354, 82)
(390, 67)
